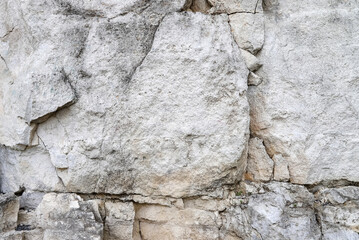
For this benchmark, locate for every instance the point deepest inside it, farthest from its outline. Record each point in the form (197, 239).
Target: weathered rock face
(184, 119)
(274, 211)
(176, 116)
(9, 208)
(66, 216)
(339, 212)
(119, 221)
(306, 109)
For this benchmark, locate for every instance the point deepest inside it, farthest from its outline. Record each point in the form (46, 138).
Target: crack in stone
(8, 33)
(128, 78)
(255, 9)
(319, 222)
(4, 62)
(313, 188)
(139, 230)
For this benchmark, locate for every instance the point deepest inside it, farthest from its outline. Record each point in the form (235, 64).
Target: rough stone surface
(235, 6)
(254, 79)
(307, 105)
(9, 208)
(252, 62)
(200, 6)
(183, 119)
(281, 172)
(158, 222)
(67, 216)
(339, 212)
(260, 165)
(248, 30)
(277, 211)
(32, 169)
(202, 135)
(119, 220)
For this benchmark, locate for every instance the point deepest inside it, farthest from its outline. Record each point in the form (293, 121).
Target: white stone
(49, 93)
(254, 79)
(338, 210)
(119, 220)
(276, 214)
(307, 105)
(248, 30)
(281, 172)
(171, 124)
(31, 169)
(260, 165)
(235, 6)
(60, 220)
(12, 235)
(252, 62)
(158, 222)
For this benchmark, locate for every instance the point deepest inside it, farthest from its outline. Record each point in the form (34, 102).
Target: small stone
(200, 6)
(254, 79)
(281, 172)
(248, 30)
(9, 209)
(119, 220)
(252, 62)
(260, 165)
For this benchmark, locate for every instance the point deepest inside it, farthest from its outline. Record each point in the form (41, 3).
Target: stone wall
(158, 119)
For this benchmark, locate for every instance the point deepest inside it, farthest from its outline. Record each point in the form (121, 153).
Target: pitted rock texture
(180, 119)
(184, 119)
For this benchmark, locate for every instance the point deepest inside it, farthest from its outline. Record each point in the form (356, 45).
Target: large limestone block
(9, 209)
(67, 216)
(48, 38)
(107, 141)
(306, 108)
(177, 126)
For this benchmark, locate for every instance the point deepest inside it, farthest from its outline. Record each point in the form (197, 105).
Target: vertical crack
(5, 62)
(139, 229)
(104, 219)
(255, 9)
